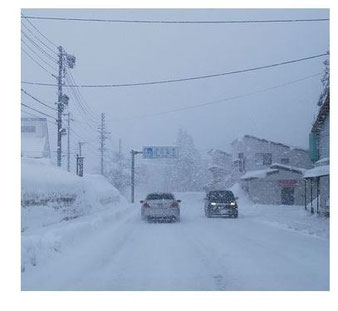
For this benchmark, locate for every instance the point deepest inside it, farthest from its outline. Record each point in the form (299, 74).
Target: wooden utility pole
(60, 108)
(103, 137)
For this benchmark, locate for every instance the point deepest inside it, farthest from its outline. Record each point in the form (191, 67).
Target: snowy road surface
(195, 254)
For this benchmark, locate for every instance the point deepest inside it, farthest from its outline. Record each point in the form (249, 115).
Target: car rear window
(221, 196)
(160, 196)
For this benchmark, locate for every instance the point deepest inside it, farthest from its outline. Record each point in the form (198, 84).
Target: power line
(83, 139)
(37, 38)
(81, 97)
(35, 61)
(189, 78)
(37, 111)
(91, 124)
(42, 50)
(81, 100)
(34, 115)
(88, 143)
(37, 55)
(38, 100)
(217, 101)
(51, 42)
(178, 21)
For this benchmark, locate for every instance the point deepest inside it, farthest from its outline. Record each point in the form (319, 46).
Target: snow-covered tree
(117, 169)
(185, 174)
(325, 82)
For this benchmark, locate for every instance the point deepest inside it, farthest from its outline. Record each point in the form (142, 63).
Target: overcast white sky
(110, 53)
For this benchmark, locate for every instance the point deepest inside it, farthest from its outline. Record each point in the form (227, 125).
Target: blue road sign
(160, 152)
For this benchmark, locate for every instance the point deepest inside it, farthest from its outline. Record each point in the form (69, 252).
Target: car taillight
(175, 204)
(146, 205)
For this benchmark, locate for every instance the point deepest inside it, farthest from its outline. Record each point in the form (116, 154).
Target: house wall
(220, 167)
(324, 139)
(322, 182)
(267, 190)
(41, 131)
(250, 147)
(324, 186)
(308, 194)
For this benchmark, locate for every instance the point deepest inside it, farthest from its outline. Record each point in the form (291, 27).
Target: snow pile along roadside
(51, 197)
(50, 194)
(288, 217)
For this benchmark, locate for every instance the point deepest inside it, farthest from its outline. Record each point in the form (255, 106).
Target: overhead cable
(75, 19)
(188, 78)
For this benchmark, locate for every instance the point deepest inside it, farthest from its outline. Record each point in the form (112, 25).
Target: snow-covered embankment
(58, 207)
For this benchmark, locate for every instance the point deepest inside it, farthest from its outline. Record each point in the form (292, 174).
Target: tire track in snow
(117, 238)
(212, 264)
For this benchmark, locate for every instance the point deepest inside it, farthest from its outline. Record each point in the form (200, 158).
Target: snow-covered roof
(288, 168)
(219, 151)
(258, 173)
(323, 162)
(216, 166)
(274, 168)
(318, 171)
(241, 138)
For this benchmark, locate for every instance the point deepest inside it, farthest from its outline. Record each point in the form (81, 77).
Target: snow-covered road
(196, 254)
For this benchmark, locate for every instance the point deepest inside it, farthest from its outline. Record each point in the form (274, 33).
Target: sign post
(79, 165)
(151, 152)
(133, 153)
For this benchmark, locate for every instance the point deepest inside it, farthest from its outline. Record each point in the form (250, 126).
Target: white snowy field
(266, 248)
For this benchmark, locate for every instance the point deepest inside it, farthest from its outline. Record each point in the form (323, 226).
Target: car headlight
(213, 203)
(232, 203)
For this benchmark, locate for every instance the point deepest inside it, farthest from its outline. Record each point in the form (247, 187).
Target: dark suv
(220, 203)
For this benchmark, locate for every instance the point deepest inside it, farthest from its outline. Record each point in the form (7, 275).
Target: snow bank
(288, 217)
(243, 199)
(41, 244)
(293, 218)
(50, 194)
(52, 197)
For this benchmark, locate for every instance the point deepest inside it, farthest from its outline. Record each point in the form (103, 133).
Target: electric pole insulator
(65, 99)
(71, 60)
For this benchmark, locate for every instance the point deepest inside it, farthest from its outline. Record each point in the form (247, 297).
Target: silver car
(160, 206)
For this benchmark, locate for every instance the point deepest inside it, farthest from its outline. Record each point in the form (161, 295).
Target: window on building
(28, 129)
(285, 160)
(239, 165)
(263, 158)
(241, 155)
(267, 158)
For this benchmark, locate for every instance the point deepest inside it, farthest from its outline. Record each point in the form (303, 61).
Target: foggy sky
(127, 53)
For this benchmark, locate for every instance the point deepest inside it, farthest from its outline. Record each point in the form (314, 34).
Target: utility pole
(60, 107)
(68, 141)
(133, 153)
(79, 165)
(79, 160)
(81, 143)
(65, 60)
(103, 137)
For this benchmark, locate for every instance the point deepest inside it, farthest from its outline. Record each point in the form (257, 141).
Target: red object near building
(288, 183)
